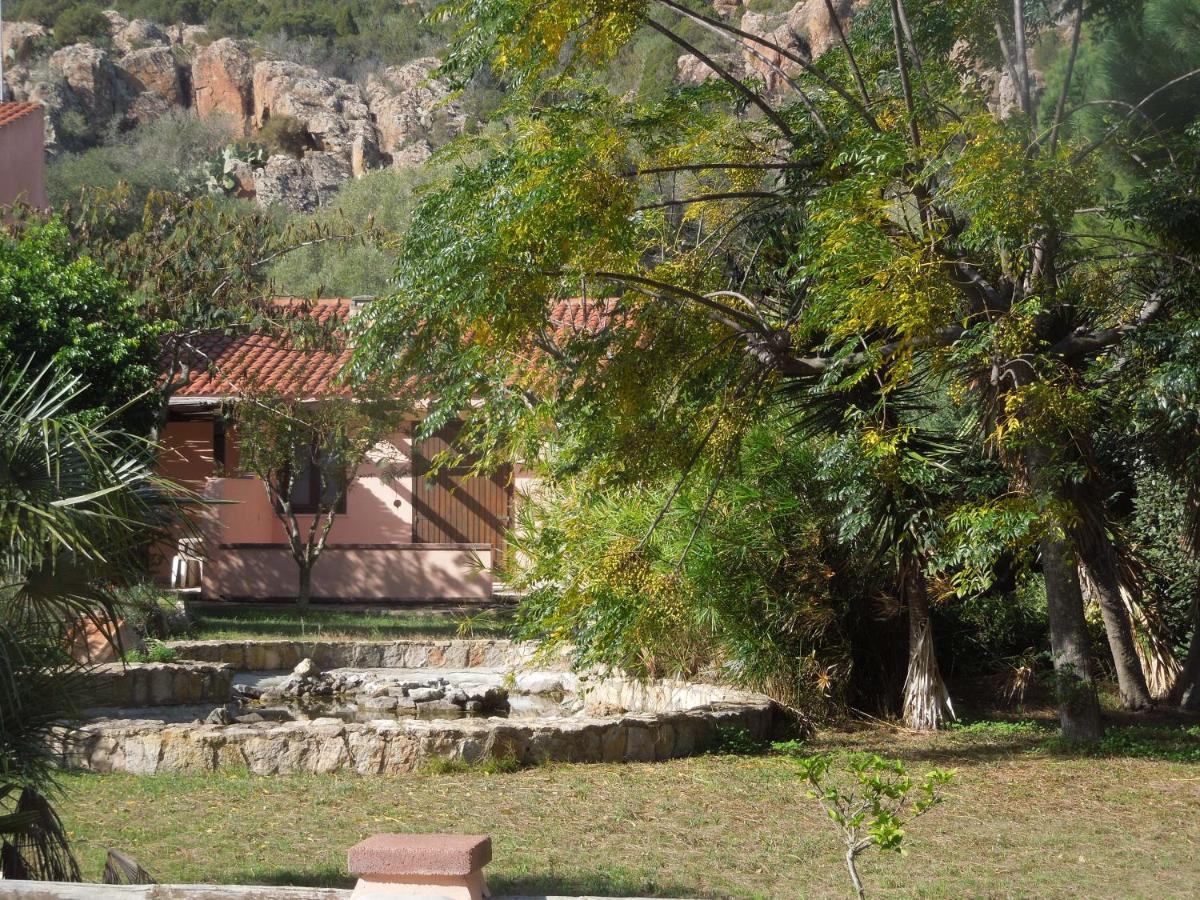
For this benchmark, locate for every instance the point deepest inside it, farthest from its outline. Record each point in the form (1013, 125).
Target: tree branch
(737, 85)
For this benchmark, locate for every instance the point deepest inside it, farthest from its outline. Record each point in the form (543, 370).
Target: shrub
(150, 611)
(287, 135)
(380, 203)
(81, 23)
(166, 155)
(868, 802)
(155, 652)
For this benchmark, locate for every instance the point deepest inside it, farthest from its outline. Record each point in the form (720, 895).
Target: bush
(81, 23)
(752, 594)
(165, 155)
(155, 652)
(287, 135)
(383, 199)
(151, 611)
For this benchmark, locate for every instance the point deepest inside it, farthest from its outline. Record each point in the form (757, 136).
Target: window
(307, 486)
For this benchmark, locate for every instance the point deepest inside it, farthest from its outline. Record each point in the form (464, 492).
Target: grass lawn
(247, 623)
(1020, 820)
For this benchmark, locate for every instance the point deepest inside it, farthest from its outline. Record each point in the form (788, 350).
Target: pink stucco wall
(22, 160)
(356, 572)
(370, 554)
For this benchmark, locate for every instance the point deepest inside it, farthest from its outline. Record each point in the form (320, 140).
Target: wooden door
(453, 506)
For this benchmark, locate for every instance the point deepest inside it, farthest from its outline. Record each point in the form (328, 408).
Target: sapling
(874, 808)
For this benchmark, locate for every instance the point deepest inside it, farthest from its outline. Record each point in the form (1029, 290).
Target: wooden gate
(453, 506)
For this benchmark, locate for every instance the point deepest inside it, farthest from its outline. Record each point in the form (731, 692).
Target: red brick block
(403, 855)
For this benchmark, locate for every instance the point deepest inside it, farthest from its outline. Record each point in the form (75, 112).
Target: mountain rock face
(222, 81)
(805, 31)
(410, 107)
(152, 71)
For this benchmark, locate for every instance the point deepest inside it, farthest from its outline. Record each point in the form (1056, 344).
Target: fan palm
(899, 460)
(78, 507)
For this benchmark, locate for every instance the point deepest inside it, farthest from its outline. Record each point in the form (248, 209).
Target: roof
(229, 364)
(10, 111)
(225, 365)
(580, 315)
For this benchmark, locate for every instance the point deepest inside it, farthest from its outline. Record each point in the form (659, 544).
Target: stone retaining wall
(267, 656)
(146, 747)
(158, 684)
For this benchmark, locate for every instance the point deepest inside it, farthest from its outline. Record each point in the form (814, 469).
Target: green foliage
(379, 206)
(734, 740)
(1179, 744)
(868, 802)
(862, 248)
(164, 155)
(150, 610)
(77, 24)
(502, 764)
(748, 589)
(997, 729)
(286, 135)
(78, 506)
(59, 305)
(155, 652)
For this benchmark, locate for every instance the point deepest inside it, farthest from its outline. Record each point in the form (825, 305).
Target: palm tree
(893, 515)
(78, 507)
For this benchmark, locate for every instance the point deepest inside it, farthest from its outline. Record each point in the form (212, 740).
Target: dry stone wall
(268, 656)
(323, 746)
(158, 684)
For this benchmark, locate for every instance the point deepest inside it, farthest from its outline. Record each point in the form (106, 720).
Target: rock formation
(222, 81)
(153, 70)
(412, 110)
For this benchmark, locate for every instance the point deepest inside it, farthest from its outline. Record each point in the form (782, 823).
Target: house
(403, 534)
(22, 154)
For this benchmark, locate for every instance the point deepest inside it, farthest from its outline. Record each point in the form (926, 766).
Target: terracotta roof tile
(11, 111)
(228, 364)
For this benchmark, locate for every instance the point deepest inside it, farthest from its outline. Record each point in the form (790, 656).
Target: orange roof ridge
(11, 110)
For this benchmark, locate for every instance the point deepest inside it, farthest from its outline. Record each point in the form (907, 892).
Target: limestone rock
(327, 172)
(22, 41)
(188, 35)
(413, 111)
(156, 69)
(805, 31)
(300, 185)
(223, 81)
(306, 668)
(332, 111)
(219, 716)
(726, 8)
(426, 694)
(97, 85)
(810, 20)
(136, 35)
(116, 21)
(690, 70)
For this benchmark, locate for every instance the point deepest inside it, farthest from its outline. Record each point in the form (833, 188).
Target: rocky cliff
(152, 70)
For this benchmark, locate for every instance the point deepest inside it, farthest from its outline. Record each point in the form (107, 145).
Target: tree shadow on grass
(1169, 739)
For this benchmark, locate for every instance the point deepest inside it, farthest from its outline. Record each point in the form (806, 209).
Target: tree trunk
(305, 592)
(1075, 686)
(926, 700)
(1187, 685)
(1098, 572)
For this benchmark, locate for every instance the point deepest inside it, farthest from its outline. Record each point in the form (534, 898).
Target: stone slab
(51, 890)
(420, 854)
